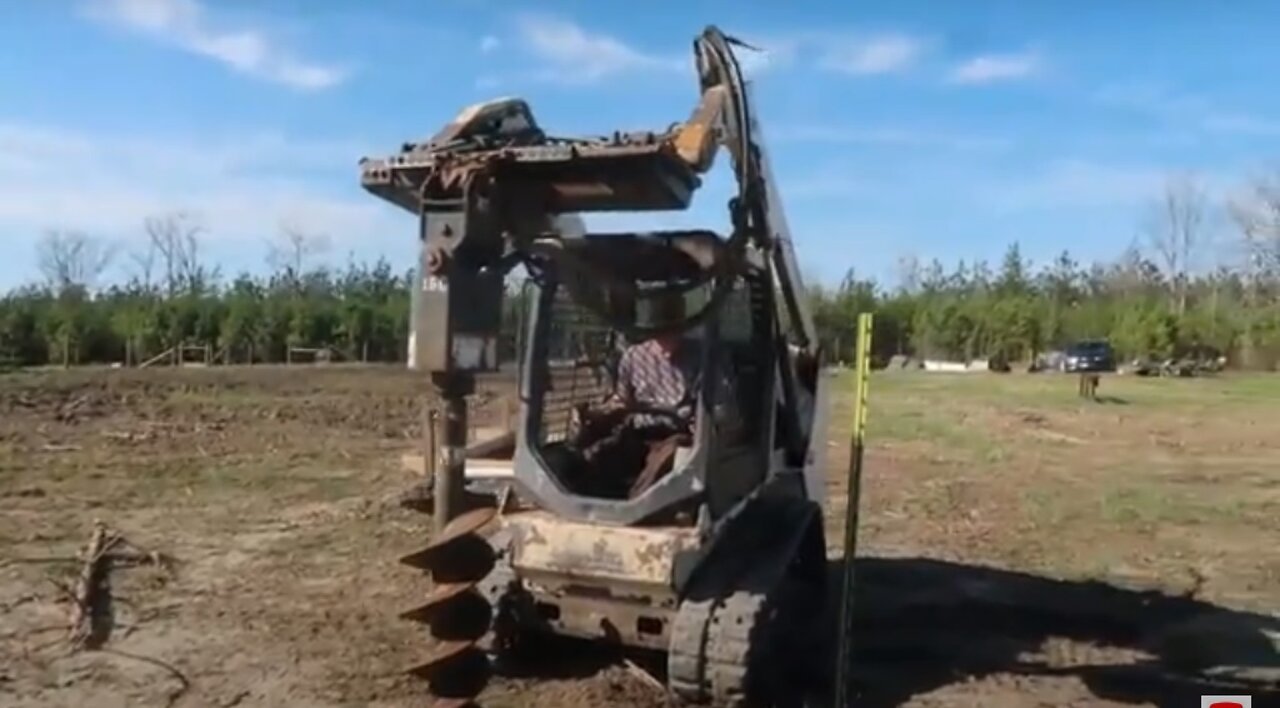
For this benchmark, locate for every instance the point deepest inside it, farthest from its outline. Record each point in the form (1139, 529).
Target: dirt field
(993, 508)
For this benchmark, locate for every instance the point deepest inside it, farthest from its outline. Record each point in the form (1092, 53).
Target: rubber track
(718, 644)
(685, 665)
(715, 647)
(736, 647)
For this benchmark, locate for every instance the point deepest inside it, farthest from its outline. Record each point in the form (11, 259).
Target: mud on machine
(709, 546)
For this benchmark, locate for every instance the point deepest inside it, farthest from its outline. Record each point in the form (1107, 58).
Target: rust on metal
(458, 616)
(468, 523)
(442, 654)
(465, 559)
(444, 592)
(444, 595)
(461, 531)
(625, 172)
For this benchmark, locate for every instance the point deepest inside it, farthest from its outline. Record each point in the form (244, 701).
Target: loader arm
(726, 117)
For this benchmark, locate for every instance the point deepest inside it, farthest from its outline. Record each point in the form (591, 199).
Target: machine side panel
(545, 545)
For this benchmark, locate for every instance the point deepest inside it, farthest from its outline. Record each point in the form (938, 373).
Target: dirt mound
(130, 405)
(613, 686)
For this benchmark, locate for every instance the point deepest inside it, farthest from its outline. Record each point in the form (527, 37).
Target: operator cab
(616, 408)
(600, 422)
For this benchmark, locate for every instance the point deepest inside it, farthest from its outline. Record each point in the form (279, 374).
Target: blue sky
(926, 129)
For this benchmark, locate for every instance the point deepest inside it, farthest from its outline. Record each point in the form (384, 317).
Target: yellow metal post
(844, 653)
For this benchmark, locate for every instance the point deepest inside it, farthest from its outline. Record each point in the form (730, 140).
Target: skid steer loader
(704, 539)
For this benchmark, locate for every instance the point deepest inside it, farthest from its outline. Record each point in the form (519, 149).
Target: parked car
(1090, 355)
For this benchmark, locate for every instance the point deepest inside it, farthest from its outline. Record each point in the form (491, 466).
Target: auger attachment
(458, 559)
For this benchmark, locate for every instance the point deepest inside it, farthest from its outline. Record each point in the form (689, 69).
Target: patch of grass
(1017, 469)
(1143, 503)
(1048, 505)
(950, 434)
(913, 412)
(1150, 503)
(1249, 388)
(1059, 391)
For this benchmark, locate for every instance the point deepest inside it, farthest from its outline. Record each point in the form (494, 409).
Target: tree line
(174, 297)
(1016, 312)
(1152, 301)
(1156, 300)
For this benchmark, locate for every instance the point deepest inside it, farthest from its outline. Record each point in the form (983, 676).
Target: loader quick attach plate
(599, 582)
(624, 173)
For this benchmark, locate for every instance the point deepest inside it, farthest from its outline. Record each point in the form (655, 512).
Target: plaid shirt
(650, 376)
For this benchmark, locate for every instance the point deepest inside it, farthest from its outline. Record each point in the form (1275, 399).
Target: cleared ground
(273, 488)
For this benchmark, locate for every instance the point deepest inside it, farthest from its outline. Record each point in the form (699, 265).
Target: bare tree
(70, 259)
(1256, 215)
(908, 272)
(1176, 228)
(175, 237)
(293, 249)
(145, 262)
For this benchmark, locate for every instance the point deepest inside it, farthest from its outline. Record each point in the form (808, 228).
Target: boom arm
(726, 115)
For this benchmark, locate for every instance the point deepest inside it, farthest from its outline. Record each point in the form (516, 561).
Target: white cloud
(489, 44)
(241, 188)
(1084, 184)
(1165, 103)
(875, 54)
(895, 136)
(571, 54)
(755, 63)
(41, 150)
(855, 53)
(187, 24)
(991, 68)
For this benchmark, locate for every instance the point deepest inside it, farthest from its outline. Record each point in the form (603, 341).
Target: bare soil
(1019, 547)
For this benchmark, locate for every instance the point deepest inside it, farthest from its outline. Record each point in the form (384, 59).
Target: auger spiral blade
(457, 615)
(442, 594)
